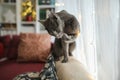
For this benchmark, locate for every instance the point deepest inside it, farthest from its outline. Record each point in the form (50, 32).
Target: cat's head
(54, 25)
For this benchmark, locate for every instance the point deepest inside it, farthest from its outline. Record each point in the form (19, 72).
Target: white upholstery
(72, 70)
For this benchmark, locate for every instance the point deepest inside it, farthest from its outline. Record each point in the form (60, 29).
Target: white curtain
(99, 42)
(107, 19)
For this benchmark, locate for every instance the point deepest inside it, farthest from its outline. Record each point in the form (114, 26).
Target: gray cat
(65, 28)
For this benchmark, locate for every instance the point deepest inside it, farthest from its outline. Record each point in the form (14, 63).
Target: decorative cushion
(13, 47)
(72, 70)
(34, 47)
(1, 50)
(5, 40)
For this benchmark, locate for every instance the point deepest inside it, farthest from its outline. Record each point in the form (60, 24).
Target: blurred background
(98, 45)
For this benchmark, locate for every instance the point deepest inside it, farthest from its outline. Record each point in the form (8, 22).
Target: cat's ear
(50, 13)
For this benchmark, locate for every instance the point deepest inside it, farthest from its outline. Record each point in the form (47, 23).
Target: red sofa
(9, 68)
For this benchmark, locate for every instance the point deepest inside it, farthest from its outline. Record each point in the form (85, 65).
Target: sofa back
(9, 44)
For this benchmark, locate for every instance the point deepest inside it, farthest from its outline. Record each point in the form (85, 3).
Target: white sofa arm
(72, 70)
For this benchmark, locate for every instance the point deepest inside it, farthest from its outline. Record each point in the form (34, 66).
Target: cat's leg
(56, 58)
(71, 48)
(65, 47)
(57, 49)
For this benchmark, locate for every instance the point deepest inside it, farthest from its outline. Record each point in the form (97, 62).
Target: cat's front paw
(65, 60)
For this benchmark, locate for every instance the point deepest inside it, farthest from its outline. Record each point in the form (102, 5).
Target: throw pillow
(5, 40)
(72, 70)
(34, 47)
(13, 47)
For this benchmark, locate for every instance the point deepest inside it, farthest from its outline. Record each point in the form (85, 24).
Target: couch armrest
(72, 70)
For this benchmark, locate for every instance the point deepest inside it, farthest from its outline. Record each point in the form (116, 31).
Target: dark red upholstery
(1, 50)
(5, 40)
(10, 68)
(13, 47)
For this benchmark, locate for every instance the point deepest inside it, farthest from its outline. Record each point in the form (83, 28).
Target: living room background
(98, 43)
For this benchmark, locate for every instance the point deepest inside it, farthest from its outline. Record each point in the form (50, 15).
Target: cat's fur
(65, 28)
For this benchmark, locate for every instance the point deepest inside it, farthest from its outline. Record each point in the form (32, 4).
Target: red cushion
(13, 47)
(34, 47)
(5, 40)
(1, 50)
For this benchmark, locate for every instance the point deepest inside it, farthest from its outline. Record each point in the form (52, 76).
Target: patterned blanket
(48, 73)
